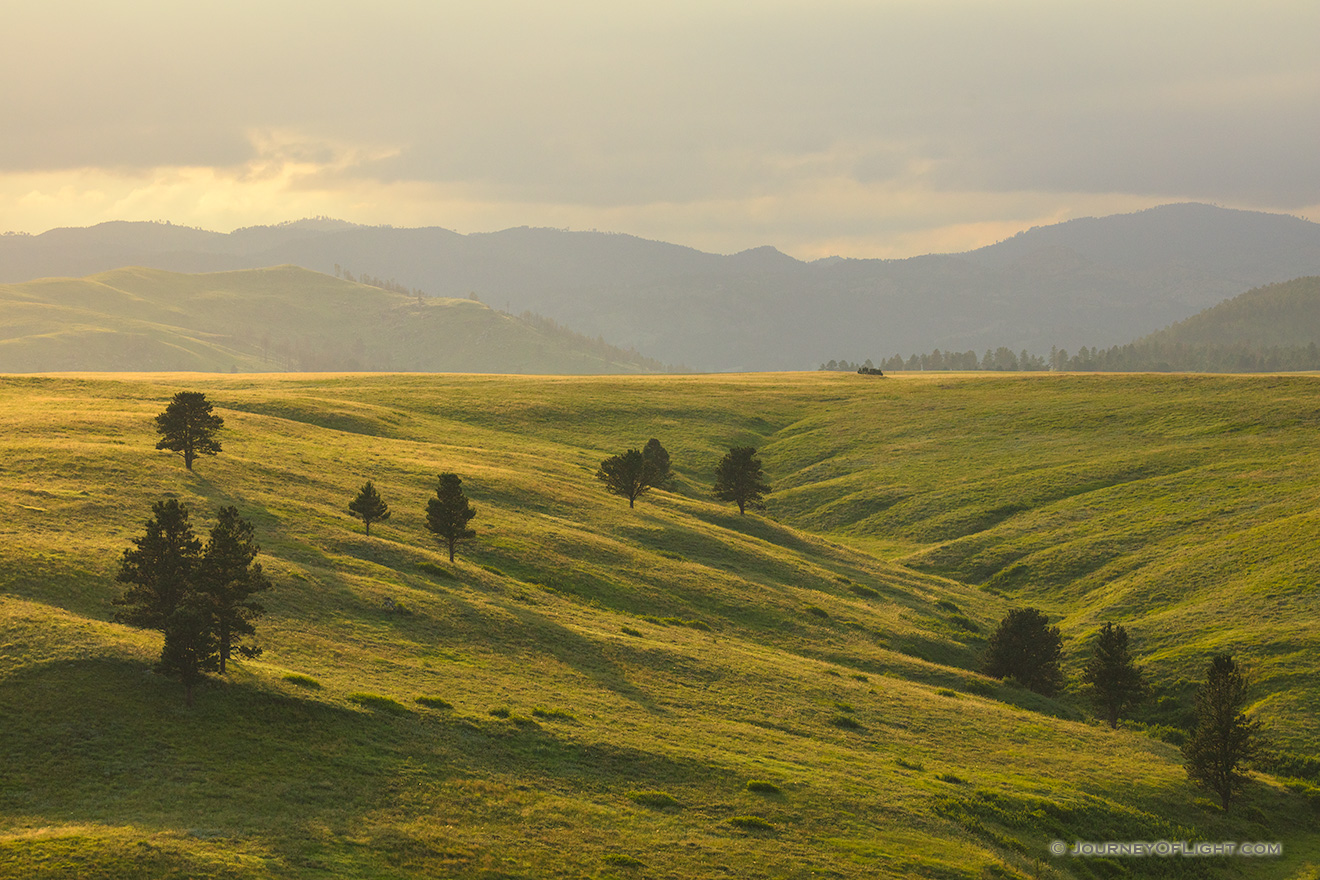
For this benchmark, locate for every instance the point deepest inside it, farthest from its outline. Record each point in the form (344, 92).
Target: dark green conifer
(627, 475)
(448, 513)
(188, 427)
(192, 647)
(1027, 648)
(368, 506)
(229, 575)
(1110, 678)
(1224, 739)
(657, 459)
(739, 478)
(158, 571)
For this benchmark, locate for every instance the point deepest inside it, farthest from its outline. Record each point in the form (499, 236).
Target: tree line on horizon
(1136, 357)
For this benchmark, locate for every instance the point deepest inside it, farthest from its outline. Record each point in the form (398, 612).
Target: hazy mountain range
(1095, 282)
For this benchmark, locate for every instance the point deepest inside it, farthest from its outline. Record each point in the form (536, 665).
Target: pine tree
(1223, 739)
(198, 599)
(368, 506)
(739, 478)
(191, 644)
(657, 458)
(229, 576)
(1110, 678)
(187, 426)
(627, 475)
(159, 570)
(448, 513)
(1027, 648)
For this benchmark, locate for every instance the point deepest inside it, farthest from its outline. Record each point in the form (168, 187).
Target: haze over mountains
(276, 319)
(1094, 282)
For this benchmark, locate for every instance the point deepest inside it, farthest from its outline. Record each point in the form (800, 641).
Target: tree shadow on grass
(105, 742)
(108, 740)
(591, 658)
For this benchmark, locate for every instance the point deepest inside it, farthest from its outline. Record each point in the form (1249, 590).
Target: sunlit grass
(501, 715)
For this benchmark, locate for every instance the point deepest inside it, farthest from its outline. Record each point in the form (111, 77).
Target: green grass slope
(1184, 507)
(589, 689)
(275, 319)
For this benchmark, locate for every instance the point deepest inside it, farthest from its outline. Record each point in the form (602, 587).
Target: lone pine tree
(739, 478)
(1223, 739)
(1110, 678)
(187, 426)
(368, 506)
(1027, 648)
(448, 513)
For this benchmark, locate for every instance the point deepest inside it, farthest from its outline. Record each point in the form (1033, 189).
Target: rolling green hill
(589, 689)
(284, 318)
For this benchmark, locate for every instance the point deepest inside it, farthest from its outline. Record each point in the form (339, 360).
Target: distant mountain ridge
(276, 319)
(1094, 281)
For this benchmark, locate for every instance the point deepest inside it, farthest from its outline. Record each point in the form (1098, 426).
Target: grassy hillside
(276, 319)
(589, 690)
(1184, 507)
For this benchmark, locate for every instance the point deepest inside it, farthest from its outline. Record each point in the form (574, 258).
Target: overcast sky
(883, 128)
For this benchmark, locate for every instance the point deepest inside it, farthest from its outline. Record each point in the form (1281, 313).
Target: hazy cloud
(719, 125)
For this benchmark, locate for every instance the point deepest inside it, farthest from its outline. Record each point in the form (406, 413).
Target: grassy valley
(669, 691)
(276, 319)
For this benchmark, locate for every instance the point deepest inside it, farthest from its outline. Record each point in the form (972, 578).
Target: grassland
(590, 689)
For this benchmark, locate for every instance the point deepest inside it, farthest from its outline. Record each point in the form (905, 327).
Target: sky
(887, 128)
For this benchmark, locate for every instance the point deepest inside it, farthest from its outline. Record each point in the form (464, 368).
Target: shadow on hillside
(107, 740)
(91, 738)
(787, 577)
(539, 634)
(271, 531)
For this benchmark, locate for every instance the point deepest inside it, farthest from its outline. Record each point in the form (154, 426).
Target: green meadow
(673, 690)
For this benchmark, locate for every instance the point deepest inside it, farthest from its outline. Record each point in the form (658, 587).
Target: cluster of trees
(1134, 357)
(382, 283)
(199, 597)
(844, 366)
(1184, 357)
(739, 476)
(1222, 741)
(1001, 358)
